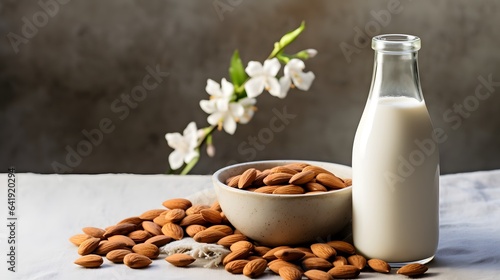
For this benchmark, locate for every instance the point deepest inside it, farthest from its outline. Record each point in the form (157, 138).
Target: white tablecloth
(51, 208)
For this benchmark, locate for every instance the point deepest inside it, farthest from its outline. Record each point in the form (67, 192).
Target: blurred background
(68, 69)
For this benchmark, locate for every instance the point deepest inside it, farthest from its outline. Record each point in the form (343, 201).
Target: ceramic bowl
(273, 219)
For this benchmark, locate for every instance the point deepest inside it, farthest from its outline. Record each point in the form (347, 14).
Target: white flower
(294, 72)
(263, 77)
(241, 111)
(184, 146)
(219, 96)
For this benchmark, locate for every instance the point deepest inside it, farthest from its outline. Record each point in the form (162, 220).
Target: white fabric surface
(51, 208)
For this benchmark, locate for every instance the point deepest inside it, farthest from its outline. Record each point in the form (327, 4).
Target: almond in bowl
(268, 202)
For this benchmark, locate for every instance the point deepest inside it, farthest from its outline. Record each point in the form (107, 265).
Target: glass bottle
(396, 161)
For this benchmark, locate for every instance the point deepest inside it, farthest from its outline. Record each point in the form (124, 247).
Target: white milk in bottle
(396, 161)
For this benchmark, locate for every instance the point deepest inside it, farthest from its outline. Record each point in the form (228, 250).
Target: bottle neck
(395, 74)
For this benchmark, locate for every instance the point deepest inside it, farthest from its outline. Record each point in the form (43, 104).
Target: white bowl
(274, 220)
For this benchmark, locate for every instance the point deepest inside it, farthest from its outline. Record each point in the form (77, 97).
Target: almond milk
(395, 183)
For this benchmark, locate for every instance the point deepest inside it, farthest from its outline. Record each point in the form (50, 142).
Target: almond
(379, 265)
(77, 239)
(152, 228)
(159, 240)
(277, 179)
(283, 169)
(195, 209)
(255, 268)
(261, 250)
(290, 273)
(224, 228)
(235, 255)
(278, 264)
(315, 187)
(211, 216)
(302, 178)
(344, 271)
(192, 230)
(316, 263)
(180, 260)
(123, 239)
(259, 179)
(315, 274)
(216, 206)
(94, 232)
(195, 219)
(134, 260)
(236, 266)
(413, 269)
(229, 240)
(160, 220)
(151, 214)
(348, 182)
(139, 236)
(340, 261)
(116, 256)
(233, 181)
(106, 247)
(289, 254)
(289, 189)
(131, 220)
(88, 246)
(316, 169)
(177, 203)
(242, 245)
(269, 256)
(209, 236)
(89, 261)
(330, 181)
(357, 261)
(146, 249)
(122, 229)
(266, 189)
(342, 246)
(174, 215)
(173, 230)
(247, 178)
(297, 166)
(323, 250)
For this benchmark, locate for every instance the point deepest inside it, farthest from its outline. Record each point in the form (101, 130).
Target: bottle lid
(396, 43)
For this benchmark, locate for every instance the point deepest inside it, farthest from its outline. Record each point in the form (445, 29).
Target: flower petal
(222, 104)
(191, 135)
(229, 125)
(254, 68)
(175, 159)
(285, 83)
(208, 106)
(215, 118)
(213, 88)
(174, 140)
(303, 80)
(236, 109)
(294, 65)
(190, 156)
(247, 101)
(311, 52)
(255, 86)
(227, 88)
(273, 86)
(271, 67)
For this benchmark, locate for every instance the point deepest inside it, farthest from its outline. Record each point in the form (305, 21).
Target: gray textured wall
(70, 69)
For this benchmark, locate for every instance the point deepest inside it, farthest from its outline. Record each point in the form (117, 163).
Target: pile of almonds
(294, 178)
(135, 241)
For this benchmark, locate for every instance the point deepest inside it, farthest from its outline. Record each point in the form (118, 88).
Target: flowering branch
(234, 102)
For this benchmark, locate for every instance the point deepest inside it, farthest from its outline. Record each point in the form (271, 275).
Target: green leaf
(236, 70)
(287, 39)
